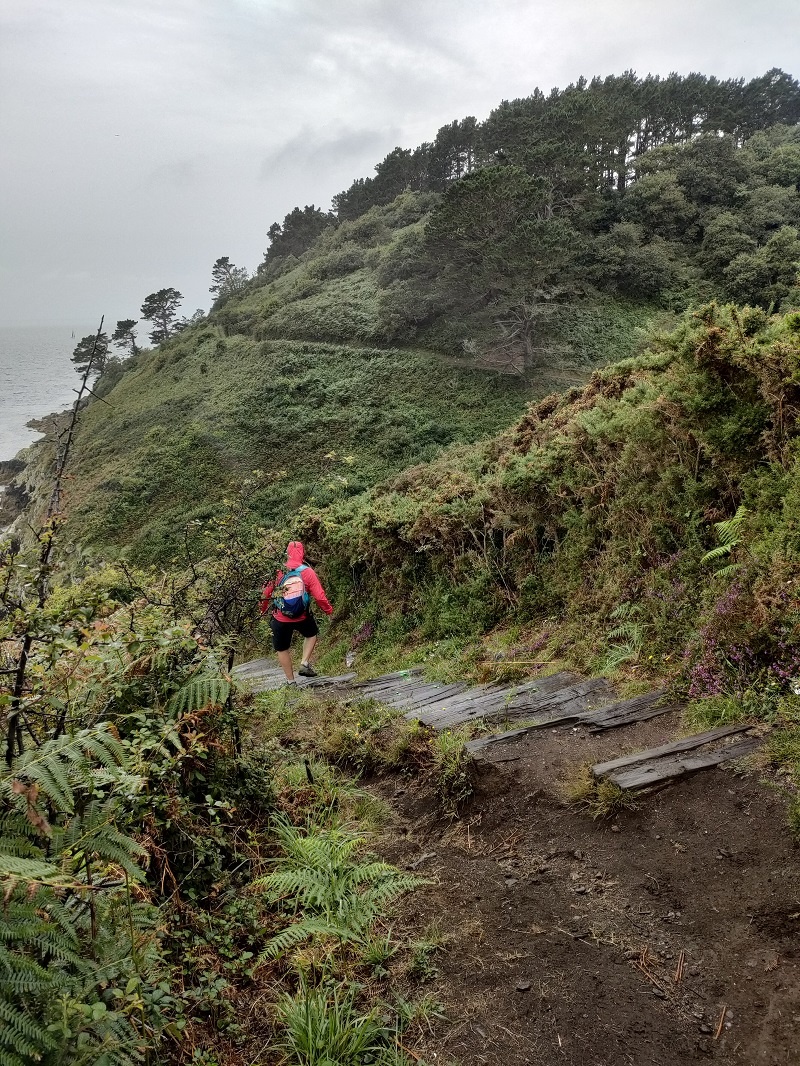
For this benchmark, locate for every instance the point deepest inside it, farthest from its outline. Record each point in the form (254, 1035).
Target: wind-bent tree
(161, 308)
(91, 354)
(124, 336)
(227, 277)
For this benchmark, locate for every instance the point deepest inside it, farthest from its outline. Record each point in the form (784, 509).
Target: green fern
(321, 878)
(728, 535)
(60, 766)
(199, 693)
(628, 631)
(64, 942)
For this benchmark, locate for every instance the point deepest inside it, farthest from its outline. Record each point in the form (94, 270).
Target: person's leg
(281, 643)
(285, 661)
(308, 630)
(308, 649)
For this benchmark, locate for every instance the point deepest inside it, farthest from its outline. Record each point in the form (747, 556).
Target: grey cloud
(309, 150)
(146, 139)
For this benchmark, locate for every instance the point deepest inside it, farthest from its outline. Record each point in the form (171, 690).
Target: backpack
(291, 595)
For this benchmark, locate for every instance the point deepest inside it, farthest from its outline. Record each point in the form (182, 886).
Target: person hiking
(287, 598)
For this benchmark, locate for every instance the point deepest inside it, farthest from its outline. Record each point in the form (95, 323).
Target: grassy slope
(585, 526)
(295, 368)
(178, 434)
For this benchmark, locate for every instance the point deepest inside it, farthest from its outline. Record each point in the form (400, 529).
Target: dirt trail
(566, 934)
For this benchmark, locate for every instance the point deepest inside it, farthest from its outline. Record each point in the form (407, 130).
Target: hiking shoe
(290, 684)
(307, 671)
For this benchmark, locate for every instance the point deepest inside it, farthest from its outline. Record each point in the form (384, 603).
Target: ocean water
(36, 377)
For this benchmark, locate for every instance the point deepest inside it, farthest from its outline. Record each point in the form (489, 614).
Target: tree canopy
(227, 278)
(161, 308)
(124, 336)
(91, 353)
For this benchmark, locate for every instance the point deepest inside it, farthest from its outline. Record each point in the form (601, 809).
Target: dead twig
(680, 968)
(721, 1022)
(509, 843)
(643, 964)
(407, 1050)
(653, 980)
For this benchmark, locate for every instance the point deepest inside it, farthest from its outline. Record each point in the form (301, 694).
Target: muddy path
(566, 936)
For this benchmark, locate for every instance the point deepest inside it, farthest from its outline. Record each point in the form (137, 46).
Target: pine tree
(91, 353)
(161, 308)
(227, 278)
(124, 336)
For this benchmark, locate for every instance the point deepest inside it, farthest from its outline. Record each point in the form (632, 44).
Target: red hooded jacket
(294, 558)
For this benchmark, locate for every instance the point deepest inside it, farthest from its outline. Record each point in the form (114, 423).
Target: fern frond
(727, 531)
(59, 766)
(299, 932)
(620, 654)
(199, 693)
(731, 568)
(22, 1033)
(631, 631)
(727, 534)
(12, 866)
(95, 834)
(717, 553)
(390, 890)
(625, 610)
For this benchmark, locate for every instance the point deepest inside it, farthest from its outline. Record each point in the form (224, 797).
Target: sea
(36, 377)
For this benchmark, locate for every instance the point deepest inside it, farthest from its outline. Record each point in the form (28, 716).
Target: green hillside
(648, 521)
(503, 261)
(531, 396)
(279, 377)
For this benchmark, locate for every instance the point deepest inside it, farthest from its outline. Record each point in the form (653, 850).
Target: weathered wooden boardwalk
(261, 675)
(643, 769)
(561, 700)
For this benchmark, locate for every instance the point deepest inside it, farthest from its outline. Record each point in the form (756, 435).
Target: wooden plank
(412, 671)
(477, 696)
(575, 704)
(632, 707)
(417, 700)
(666, 769)
(579, 697)
(467, 698)
(323, 680)
(546, 708)
(684, 744)
(498, 738)
(420, 690)
(387, 691)
(255, 666)
(269, 682)
(490, 702)
(444, 717)
(599, 722)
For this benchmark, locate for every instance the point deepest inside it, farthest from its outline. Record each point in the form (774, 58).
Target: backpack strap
(293, 573)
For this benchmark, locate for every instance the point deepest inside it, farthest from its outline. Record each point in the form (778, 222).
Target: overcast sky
(142, 139)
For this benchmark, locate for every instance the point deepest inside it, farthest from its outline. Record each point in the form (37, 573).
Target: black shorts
(282, 631)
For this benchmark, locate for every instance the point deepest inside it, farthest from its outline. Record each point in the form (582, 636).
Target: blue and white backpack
(291, 595)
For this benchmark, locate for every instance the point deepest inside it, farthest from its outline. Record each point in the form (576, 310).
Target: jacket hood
(295, 554)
